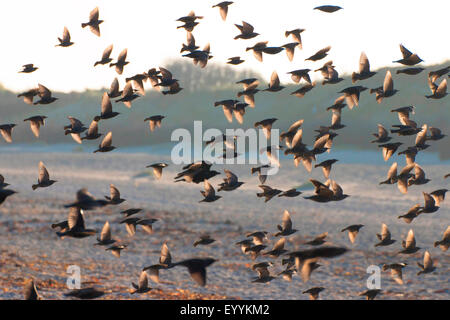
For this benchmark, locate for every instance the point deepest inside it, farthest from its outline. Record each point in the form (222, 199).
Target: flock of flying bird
(303, 262)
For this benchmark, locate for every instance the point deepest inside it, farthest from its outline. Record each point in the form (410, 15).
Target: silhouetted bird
(197, 268)
(204, 240)
(235, 60)
(296, 36)
(94, 22)
(209, 194)
(105, 236)
(105, 56)
(30, 292)
(438, 92)
(86, 201)
(230, 183)
(353, 231)
(75, 225)
(45, 94)
(387, 90)
(142, 286)
(412, 213)
(35, 124)
(268, 193)
(409, 58)
(154, 121)
(352, 95)
(29, 95)
(92, 132)
(114, 197)
(28, 68)
(370, 294)
(328, 8)
(114, 90)
(314, 292)
(247, 31)
(427, 266)
(384, 237)
(5, 193)
(444, 243)
(322, 53)
(396, 271)
(131, 211)
(85, 293)
(6, 131)
(44, 178)
(410, 71)
(65, 40)
(105, 145)
(364, 69)
(409, 246)
(121, 61)
(285, 229)
(116, 249)
(223, 8)
(157, 169)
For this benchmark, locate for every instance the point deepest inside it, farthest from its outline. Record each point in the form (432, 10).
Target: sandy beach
(29, 248)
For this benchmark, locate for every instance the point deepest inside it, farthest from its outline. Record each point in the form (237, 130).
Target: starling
(85, 293)
(28, 68)
(35, 124)
(285, 229)
(296, 36)
(92, 132)
(268, 193)
(157, 169)
(204, 240)
(154, 121)
(121, 61)
(65, 40)
(384, 237)
(76, 226)
(427, 266)
(94, 22)
(409, 58)
(328, 8)
(114, 197)
(142, 286)
(105, 145)
(322, 53)
(105, 56)
(412, 213)
(105, 236)
(364, 69)
(443, 244)
(45, 94)
(44, 178)
(197, 268)
(223, 8)
(396, 271)
(247, 31)
(314, 292)
(209, 194)
(409, 246)
(353, 231)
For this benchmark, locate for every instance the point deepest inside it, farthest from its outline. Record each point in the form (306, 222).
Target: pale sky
(148, 29)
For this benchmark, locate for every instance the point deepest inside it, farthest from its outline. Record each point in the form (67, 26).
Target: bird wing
(421, 137)
(143, 280)
(246, 28)
(442, 88)
(107, 52)
(35, 126)
(223, 12)
(43, 173)
(385, 233)
(93, 16)
(279, 245)
(274, 80)
(427, 261)
(114, 192)
(286, 222)
(232, 178)
(43, 92)
(405, 52)
(75, 219)
(106, 104)
(418, 172)
(66, 35)
(122, 56)
(429, 200)
(392, 171)
(93, 128)
(106, 232)
(209, 190)
(364, 66)
(166, 74)
(107, 140)
(410, 240)
(165, 257)
(388, 84)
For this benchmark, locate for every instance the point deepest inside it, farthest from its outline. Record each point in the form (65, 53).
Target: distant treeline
(202, 87)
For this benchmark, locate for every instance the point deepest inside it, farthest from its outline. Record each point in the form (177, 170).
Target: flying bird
(94, 22)
(121, 61)
(409, 58)
(35, 124)
(223, 8)
(65, 40)
(44, 178)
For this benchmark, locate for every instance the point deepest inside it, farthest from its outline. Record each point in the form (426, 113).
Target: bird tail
(83, 25)
(437, 243)
(259, 195)
(354, 77)
(35, 186)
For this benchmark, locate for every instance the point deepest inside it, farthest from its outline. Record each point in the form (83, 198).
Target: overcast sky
(148, 29)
